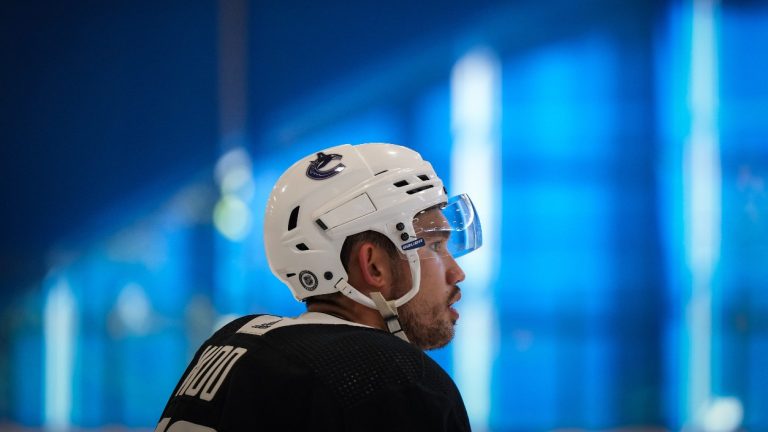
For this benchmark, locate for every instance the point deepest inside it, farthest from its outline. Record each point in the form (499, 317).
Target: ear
(375, 268)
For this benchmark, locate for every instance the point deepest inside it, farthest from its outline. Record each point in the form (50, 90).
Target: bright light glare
(232, 218)
(475, 107)
(60, 318)
(238, 179)
(724, 414)
(702, 180)
(475, 166)
(235, 159)
(133, 308)
(703, 159)
(473, 87)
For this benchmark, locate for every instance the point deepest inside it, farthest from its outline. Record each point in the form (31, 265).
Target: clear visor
(452, 229)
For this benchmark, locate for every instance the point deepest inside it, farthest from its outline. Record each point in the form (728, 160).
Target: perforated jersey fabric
(333, 377)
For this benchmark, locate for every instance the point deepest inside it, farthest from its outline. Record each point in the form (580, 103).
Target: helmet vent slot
(293, 218)
(418, 189)
(321, 224)
(380, 172)
(290, 275)
(302, 247)
(424, 177)
(401, 183)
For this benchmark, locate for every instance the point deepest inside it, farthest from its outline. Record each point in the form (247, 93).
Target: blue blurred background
(616, 151)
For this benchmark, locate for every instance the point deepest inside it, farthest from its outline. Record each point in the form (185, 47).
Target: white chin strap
(389, 312)
(388, 308)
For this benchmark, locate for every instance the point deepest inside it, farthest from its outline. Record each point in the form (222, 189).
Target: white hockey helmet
(344, 190)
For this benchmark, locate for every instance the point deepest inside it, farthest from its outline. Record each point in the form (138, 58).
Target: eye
(437, 246)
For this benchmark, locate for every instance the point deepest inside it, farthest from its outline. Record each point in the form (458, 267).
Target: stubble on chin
(429, 329)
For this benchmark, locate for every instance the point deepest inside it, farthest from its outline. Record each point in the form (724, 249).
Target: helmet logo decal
(419, 242)
(308, 280)
(316, 169)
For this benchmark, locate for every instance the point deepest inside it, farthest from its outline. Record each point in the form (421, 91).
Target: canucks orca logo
(317, 170)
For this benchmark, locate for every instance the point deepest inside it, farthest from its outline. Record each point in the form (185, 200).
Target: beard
(428, 327)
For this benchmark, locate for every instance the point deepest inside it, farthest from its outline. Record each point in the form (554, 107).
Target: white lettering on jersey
(207, 374)
(214, 383)
(203, 361)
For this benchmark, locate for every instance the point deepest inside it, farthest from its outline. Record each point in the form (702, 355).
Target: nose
(455, 274)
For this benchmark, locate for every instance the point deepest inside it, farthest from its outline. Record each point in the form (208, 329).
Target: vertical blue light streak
(702, 208)
(475, 114)
(60, 317)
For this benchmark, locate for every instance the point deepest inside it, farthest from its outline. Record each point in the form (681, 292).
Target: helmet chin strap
(388, 308)
(388, 311)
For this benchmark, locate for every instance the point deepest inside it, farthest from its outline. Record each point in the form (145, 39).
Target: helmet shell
(344, 190)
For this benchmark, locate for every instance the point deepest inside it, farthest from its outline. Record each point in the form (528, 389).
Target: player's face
(429, 319)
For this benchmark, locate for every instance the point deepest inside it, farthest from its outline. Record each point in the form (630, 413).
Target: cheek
(428, 269)
(432, 274)
(433, 284)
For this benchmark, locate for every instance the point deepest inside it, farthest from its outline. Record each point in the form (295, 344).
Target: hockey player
(366, 236)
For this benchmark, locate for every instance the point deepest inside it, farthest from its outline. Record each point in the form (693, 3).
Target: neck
(347, 309)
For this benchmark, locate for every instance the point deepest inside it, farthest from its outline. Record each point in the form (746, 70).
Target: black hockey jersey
(314, 372)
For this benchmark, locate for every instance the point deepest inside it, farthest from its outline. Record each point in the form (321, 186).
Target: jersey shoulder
(356, 362)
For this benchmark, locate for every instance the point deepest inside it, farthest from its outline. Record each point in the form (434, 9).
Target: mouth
(454, 315)
(454, 299)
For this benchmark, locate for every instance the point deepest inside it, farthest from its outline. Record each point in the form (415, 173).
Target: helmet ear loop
(415, 265)
(388, 309)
